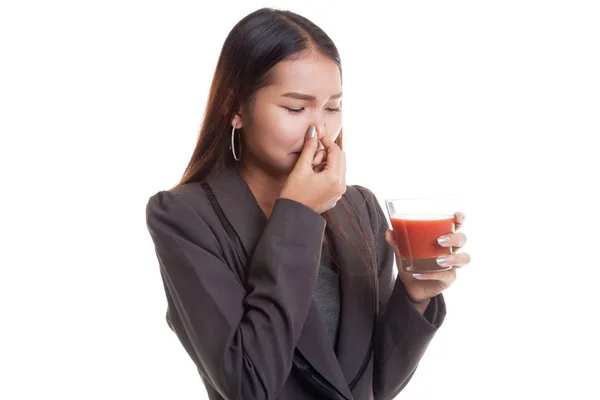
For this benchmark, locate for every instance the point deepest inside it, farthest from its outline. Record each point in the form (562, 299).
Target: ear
(237, 121)
(237, 118)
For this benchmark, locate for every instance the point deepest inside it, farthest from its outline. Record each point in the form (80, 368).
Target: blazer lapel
(315, 346)
(357, 291)
(240, 206)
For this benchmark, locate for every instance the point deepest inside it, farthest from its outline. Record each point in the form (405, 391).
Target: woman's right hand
(319, 190)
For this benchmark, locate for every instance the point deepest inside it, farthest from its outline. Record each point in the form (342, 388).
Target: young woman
(278, 276)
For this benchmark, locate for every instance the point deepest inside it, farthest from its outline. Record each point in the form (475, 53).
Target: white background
(100, 105)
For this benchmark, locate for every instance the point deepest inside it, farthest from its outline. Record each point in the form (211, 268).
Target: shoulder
(366, 193)
(362, 196)
(182, 216)
(180, 202)
(363, 199)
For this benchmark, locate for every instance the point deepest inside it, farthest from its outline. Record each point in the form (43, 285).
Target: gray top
(327, 293)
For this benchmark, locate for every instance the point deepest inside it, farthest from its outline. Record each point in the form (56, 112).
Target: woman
(279, 277)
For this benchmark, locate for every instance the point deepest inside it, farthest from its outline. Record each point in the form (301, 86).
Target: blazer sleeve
(241, 335)
(402, 333)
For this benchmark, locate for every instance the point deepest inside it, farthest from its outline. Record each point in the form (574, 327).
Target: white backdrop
(101, 103)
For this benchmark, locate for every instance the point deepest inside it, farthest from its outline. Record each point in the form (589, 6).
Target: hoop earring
(236, 157)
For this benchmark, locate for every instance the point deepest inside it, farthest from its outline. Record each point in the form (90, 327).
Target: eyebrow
(300, 96)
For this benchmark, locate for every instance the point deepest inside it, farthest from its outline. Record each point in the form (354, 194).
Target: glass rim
(441, 196)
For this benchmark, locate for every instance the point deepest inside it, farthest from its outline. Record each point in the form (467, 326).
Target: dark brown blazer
(241, 322)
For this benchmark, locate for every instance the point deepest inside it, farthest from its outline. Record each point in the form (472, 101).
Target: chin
(280, 169)
(288, 167)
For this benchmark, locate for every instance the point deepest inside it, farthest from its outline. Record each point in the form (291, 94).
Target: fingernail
(443, 240)
(460, 216)
(310, 133)
(443, 259)
(418, 276)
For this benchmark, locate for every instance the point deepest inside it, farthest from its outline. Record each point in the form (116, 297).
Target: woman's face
(301, 92)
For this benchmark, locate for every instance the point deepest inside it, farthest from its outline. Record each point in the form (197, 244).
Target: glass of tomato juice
(417, 224)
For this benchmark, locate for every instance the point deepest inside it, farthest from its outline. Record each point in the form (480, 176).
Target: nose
(321, 128)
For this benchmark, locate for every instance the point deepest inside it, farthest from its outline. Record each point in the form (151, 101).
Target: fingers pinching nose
(322, 133)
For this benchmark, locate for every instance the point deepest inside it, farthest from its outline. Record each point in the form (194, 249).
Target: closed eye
(299, 110)
(294, 110)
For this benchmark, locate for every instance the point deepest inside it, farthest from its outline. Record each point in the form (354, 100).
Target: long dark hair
(255, 45)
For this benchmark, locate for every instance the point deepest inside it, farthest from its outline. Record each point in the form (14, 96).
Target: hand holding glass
(417, 224)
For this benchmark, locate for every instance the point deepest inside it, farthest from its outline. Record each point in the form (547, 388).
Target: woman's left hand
(422, 287)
